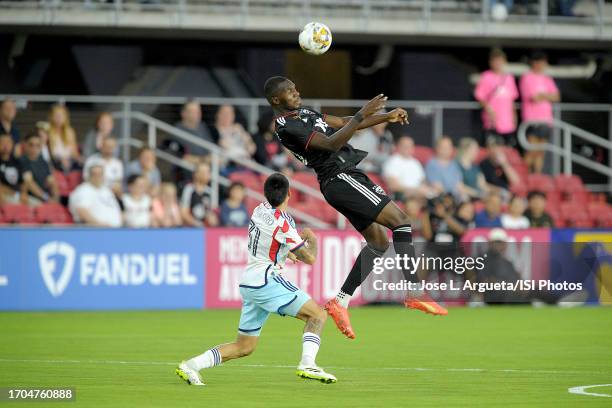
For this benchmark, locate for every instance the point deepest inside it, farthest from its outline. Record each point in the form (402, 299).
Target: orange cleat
(425, 304)
(341, 317)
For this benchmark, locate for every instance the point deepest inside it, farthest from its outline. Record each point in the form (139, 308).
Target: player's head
(276, 189)
(281, 93)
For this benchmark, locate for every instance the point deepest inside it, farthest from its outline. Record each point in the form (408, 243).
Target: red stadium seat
(519, 190)
(423, 154)
(483, 153)
(513, 156)
(18, 214)
(62, 183)
(52, 214)
(540, 182)
(309, 179)
(74, 178)
(600, 213)
(245, 177)
(569, 183)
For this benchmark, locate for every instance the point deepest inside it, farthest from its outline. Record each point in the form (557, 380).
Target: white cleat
(315, 373)
(188, 374)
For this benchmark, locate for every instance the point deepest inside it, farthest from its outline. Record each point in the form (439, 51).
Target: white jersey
(272, 234)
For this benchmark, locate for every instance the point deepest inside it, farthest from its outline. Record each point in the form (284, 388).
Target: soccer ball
(315, 38)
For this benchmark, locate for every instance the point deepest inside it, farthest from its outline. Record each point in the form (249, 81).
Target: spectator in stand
(37, 177)
(191, 121)
(451, 225)
(403, 174)
(496, 91)
(536, 211)
(62, 140)
(269, 150)
(419, 219)
(515, 218)
(497, 171)
(236, 142)
(95, 137)
(439, 209)
(196, 206)
(233, 210)
(474, 182)
(8, 112)
(93, 203)
(146, 165)
(42, 129)
(12, 188)
(490, 217)
(377, 141)
(443, 173)
(538, 92)
(113, 167)
(137, 203)
(166, 212)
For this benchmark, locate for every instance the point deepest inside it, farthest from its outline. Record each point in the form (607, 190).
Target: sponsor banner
(590, 249)
(227, 254)
(43, 269)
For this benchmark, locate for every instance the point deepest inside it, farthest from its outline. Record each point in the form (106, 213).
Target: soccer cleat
(189, 375)
(341, 317)
(425, 304)
(315, 373)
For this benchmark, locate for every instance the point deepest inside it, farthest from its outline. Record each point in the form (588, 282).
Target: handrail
(216, 154)
(566, 152)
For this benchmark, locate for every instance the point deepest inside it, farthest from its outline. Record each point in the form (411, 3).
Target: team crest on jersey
(306, 112)
(321, 124)
(379, 189)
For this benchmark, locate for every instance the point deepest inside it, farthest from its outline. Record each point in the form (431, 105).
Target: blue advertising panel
(581, 255)
(46, 269)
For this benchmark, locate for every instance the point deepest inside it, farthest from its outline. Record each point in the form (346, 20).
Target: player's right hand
(377, 103)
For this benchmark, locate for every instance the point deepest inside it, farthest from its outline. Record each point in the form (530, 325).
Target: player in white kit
(272, 237)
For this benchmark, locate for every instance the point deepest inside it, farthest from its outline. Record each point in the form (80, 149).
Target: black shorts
(539, 131)
(356, 197)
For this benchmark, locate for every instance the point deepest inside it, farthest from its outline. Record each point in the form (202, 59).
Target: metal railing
(435, 112)
(569, 132)
(183, 14)
(217, 154)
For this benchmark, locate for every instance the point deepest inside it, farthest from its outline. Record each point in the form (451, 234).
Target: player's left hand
(398, 115)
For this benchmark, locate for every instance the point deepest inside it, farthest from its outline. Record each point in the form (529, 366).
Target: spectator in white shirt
(93, 203)
(113, 168)
(515, 218)
(404, 174)
(137, 203)
(377, 141)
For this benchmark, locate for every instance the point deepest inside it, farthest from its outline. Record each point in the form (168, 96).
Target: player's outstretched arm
(342, 136)
(396, 115)
(307, 253)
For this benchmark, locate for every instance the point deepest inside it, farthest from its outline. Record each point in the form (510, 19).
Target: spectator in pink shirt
(496, 91)
(538, 92)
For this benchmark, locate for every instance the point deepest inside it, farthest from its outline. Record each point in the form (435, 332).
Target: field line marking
(477, 370)
(581, 390)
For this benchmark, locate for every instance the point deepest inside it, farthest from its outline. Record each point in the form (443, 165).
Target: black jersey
(295, 131)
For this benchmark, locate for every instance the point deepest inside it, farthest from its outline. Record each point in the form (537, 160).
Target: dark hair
(272, 86)
(538, 56)
(31, 135)
(497, 53)
(131, 179)
(276, 189)
(235, 184)
(535, 193)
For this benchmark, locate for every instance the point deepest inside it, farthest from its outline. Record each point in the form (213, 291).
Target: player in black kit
(321, 143)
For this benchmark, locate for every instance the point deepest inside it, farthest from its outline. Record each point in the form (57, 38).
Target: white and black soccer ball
(315, 38)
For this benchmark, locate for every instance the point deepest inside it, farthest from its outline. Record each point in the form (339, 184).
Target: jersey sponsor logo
(321, 124)
(300, 158)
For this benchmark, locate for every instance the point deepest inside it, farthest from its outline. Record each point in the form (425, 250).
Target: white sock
(210, 358)
(310, 348)
(343, 299)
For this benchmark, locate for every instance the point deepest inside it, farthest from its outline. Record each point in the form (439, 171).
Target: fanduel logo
(112, 269)
(48, 256)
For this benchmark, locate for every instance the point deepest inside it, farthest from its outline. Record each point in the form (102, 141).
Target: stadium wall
(94, 269)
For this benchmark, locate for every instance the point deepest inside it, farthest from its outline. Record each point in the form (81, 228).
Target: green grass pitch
(513, 356)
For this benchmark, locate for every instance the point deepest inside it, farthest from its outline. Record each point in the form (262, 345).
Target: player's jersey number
(254, 234)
